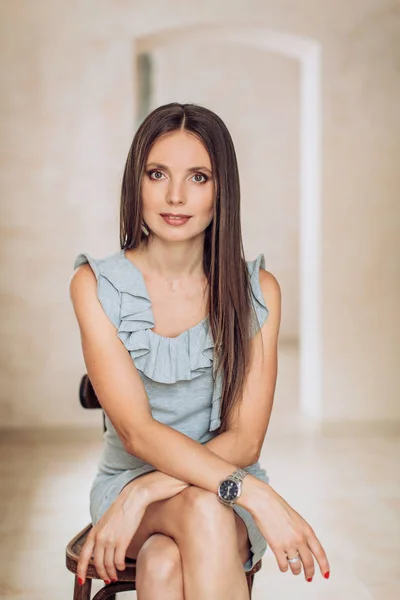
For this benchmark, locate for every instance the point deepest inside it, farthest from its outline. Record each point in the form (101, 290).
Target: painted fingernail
(327, 575)
(113, 580)
(106, 581)
(80, 581)
(309, 579)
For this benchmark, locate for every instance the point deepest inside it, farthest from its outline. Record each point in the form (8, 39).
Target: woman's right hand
(286, 532)
(110, 537)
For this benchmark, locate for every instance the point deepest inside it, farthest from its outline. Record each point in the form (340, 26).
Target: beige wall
(361, 222)
(67, 119)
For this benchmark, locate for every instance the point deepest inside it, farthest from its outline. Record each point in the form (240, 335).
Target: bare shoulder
(82, 282)
(271, 290)
(83, 294)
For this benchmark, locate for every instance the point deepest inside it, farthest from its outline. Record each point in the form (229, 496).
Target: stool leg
(250, 581)
(82, 592)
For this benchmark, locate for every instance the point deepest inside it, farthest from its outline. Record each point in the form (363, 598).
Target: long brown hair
(224, 260)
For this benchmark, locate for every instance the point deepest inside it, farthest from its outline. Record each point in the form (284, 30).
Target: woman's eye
(151, 173)
(200, 175)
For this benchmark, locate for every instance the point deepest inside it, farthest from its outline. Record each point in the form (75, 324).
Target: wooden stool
(126, 579)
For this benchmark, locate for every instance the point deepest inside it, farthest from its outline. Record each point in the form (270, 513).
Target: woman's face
(178, 179)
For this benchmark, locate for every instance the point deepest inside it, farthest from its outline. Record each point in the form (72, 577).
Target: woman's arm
(123, 397)
(160, 486)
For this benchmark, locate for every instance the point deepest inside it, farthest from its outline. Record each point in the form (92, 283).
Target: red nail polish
(80, 581)
(309, 579)
(326, 575)
(113, 580)
(106, 581)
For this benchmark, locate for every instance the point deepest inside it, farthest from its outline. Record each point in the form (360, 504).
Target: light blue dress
(178, 375)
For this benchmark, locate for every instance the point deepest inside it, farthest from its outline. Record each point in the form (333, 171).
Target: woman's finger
(120, 553)
(84, 558)
(319, 553)
(308, 562)
(281, 559)
(99, 559)
(109, 562)
(295, 567)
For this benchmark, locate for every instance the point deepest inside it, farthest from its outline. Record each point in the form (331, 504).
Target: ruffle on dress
(257, 296)
(124, 297)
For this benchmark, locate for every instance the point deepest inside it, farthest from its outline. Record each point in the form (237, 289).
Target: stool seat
(126, 578)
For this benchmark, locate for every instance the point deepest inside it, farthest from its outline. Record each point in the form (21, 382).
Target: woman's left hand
(286, 532)
(110, 537)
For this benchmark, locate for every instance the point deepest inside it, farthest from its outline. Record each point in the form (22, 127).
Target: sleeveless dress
(178, 375)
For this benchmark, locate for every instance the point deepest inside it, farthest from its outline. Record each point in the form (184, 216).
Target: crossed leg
(190, 547)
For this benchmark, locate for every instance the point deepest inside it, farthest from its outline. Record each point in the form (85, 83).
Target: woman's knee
(194, 513)
(159, 559)
(201, 508)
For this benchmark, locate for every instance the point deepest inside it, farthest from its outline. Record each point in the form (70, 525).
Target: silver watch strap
(238, 475)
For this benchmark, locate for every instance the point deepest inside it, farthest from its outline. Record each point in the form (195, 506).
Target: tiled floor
(347, 487)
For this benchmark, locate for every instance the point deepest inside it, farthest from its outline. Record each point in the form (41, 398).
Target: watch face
(228, 490)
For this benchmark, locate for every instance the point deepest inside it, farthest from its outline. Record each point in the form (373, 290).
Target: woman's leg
(159, 569)
(211, 539)
(159, 565)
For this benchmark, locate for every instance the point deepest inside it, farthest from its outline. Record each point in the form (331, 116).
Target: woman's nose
(175, 192)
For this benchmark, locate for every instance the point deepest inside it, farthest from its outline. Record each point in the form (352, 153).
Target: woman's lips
(175, 220)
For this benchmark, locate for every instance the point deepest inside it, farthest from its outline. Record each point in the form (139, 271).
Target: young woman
(179, 336)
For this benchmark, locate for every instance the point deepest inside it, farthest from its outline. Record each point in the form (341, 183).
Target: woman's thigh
(165, 517)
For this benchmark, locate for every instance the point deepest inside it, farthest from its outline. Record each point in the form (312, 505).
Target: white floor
(347, 487)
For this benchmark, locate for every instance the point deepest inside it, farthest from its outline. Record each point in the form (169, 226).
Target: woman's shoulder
(111, 276)
(265, 289)
(262, 278)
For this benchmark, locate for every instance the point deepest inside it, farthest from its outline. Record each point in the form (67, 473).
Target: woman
(179, 335)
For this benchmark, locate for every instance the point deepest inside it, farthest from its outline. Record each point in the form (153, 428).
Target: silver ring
(293, 560)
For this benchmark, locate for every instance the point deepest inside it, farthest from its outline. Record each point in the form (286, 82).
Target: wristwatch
(230, 489)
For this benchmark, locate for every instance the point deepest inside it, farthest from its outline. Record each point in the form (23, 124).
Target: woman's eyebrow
(189, 170)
